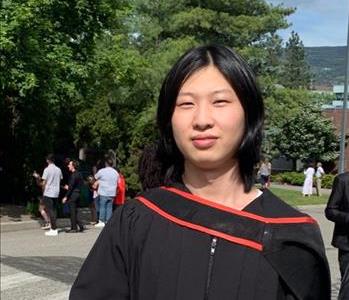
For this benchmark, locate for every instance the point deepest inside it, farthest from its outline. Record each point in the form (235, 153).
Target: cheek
(232, 120)
(178, 136)
(178, 123)
(175, 129)
(233, 128)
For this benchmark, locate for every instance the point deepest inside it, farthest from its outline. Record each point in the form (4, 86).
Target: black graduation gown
(170, 244)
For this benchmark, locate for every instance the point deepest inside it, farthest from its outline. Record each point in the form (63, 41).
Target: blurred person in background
(337, 211)
(307, 189)
(72, 196)
(107, 179)
(318, 177)
(51, 179)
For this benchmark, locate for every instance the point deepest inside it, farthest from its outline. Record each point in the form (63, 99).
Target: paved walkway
(15, 218)
(326, 227)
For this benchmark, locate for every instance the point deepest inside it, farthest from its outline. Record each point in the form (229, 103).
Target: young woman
(207, 232)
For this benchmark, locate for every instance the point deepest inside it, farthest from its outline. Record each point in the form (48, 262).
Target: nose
(203, 118)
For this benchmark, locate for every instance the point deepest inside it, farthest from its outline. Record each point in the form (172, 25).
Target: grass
(295, 198)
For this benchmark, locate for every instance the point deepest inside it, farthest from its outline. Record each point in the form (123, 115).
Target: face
(208, 122)
(71, 166)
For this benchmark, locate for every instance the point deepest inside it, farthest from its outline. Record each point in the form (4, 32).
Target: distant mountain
(327, 65)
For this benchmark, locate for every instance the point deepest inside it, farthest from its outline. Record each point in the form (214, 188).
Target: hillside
(327, 65)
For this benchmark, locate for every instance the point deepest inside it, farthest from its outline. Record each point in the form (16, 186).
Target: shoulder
(46, 171)
(274, 207)
(57, 169)
(114, 171)
(99, 172)
(341, 180)
(133, 215)
(135, 206)
(344, 177)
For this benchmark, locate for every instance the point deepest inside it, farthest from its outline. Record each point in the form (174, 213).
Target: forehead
(206, 79)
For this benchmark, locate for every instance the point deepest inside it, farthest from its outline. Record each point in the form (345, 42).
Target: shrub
(293, 178)
(33, 208)
(327, 181)
(296, 178)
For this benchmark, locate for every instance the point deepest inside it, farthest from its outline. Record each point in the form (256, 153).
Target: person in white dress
(308, 181)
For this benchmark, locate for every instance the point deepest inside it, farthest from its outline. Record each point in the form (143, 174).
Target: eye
(185, 104)
(220, 102)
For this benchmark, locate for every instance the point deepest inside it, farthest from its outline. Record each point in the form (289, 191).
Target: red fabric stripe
(290, 220)
(237, 240)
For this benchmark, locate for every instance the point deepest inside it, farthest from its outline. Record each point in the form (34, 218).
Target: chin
(206, 164)
(211, 162)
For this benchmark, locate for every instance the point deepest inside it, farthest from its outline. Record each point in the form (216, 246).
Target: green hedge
(296, 178)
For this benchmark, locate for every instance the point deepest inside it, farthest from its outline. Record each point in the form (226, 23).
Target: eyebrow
(213, 93)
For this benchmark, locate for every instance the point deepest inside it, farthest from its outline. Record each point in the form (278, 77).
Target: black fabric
(343, 259)
(344, 289)
(75, 183)
(198, 214)
(73, 207)
(292, 241)
(142, 255)
(337, 211)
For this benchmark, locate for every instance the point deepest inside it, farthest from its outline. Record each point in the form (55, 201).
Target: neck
(221, 185)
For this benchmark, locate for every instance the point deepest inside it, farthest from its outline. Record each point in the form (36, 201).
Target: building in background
(334, 112)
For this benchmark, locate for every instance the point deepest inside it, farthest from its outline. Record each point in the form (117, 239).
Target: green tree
(284, 103)
(163, 30)
(307, 136)
(115, 94)
(296, 72)
(45, 46)
(164, 27)
(86, 72)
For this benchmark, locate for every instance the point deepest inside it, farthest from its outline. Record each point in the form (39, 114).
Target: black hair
(50, 157)
(91, 180)
(75, 164)
(149, 167)
(242, 79)
(109, 161)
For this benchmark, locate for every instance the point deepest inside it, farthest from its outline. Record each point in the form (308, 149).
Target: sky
(317, 22)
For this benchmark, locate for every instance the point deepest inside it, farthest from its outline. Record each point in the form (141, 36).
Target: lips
(204, 142)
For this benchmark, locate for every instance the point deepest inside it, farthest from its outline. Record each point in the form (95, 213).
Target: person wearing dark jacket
(202, 230)
(337, 211)
(344, 289)
(73, 196)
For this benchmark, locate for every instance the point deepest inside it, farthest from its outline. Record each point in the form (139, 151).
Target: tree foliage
(45, 47)
(296, 72)
(307, 136)
(163, 30)
(88, 73)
